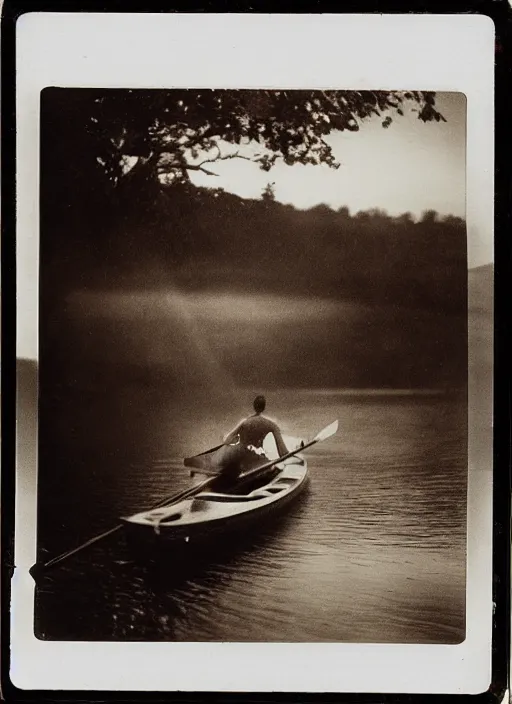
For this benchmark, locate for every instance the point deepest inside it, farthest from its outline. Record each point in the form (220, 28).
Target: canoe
(210, 514)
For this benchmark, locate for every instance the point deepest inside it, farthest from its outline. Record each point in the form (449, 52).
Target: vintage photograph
(253, 366)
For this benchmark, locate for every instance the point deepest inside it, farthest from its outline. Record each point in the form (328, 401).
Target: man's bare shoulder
(261, 422)
(271, 423)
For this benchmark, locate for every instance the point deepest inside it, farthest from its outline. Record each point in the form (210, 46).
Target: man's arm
(281, 447)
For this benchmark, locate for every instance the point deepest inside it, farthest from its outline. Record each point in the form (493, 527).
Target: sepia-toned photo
(295, 259)
(256, 408)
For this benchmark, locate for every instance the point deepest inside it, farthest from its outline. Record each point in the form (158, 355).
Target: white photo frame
(444, 53)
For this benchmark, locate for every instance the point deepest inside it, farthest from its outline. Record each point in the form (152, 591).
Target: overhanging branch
(198, 167)
(235, 155)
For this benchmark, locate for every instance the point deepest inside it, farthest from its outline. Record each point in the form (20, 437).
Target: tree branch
(235, 155)
(199, 167)
(180, 163)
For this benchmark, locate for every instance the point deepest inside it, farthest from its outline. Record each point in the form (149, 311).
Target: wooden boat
(200, 513)
(211, 513)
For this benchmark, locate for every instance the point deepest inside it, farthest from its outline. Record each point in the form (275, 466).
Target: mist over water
(216, 340)
(374, 552)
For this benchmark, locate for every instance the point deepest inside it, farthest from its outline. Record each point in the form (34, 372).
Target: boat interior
(242, 488)
(254, 495)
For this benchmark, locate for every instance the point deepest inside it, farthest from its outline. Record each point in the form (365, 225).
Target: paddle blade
(327, 432)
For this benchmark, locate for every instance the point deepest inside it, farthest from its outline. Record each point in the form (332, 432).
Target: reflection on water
(374, 552)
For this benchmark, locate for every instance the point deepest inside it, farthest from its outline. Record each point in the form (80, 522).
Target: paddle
(327, 432)
(37, 569)
(324, 434)
(189, 461)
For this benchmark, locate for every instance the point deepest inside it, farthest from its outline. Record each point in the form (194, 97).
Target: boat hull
(211, 515)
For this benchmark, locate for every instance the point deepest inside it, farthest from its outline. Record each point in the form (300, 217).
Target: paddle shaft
(272, 463)
(163, 502)
(251, 474)
(187, 460)
(91, 541)
(264, 467)
(327, 432)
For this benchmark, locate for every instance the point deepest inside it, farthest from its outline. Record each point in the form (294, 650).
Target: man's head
(259, 404)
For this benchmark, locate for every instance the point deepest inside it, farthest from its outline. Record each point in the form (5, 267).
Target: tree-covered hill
(202, 238)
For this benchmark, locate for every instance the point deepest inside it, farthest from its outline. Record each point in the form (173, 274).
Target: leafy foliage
(167, 134)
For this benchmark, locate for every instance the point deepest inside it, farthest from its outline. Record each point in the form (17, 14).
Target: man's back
(254, 429)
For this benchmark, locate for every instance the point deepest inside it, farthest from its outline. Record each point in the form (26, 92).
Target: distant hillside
(204, 239)
(398, 288)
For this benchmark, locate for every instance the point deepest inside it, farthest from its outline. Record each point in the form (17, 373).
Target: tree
(163, 136)
(377, 214)
(430, 217)
(453, 221)
(269, 193)
(406, 219)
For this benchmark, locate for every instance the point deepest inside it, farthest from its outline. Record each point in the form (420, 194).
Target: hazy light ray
(170, 306)
(198, 339)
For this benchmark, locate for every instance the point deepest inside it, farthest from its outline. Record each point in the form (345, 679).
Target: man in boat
(242, 448)
(253, 430)
(242, 451)
(249, 436)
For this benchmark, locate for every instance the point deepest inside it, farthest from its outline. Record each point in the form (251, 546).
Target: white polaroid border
(417, 52)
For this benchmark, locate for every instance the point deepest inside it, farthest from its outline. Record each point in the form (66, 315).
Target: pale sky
(410, 166)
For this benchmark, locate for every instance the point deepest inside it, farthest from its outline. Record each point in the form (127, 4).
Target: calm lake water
(373, 552)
